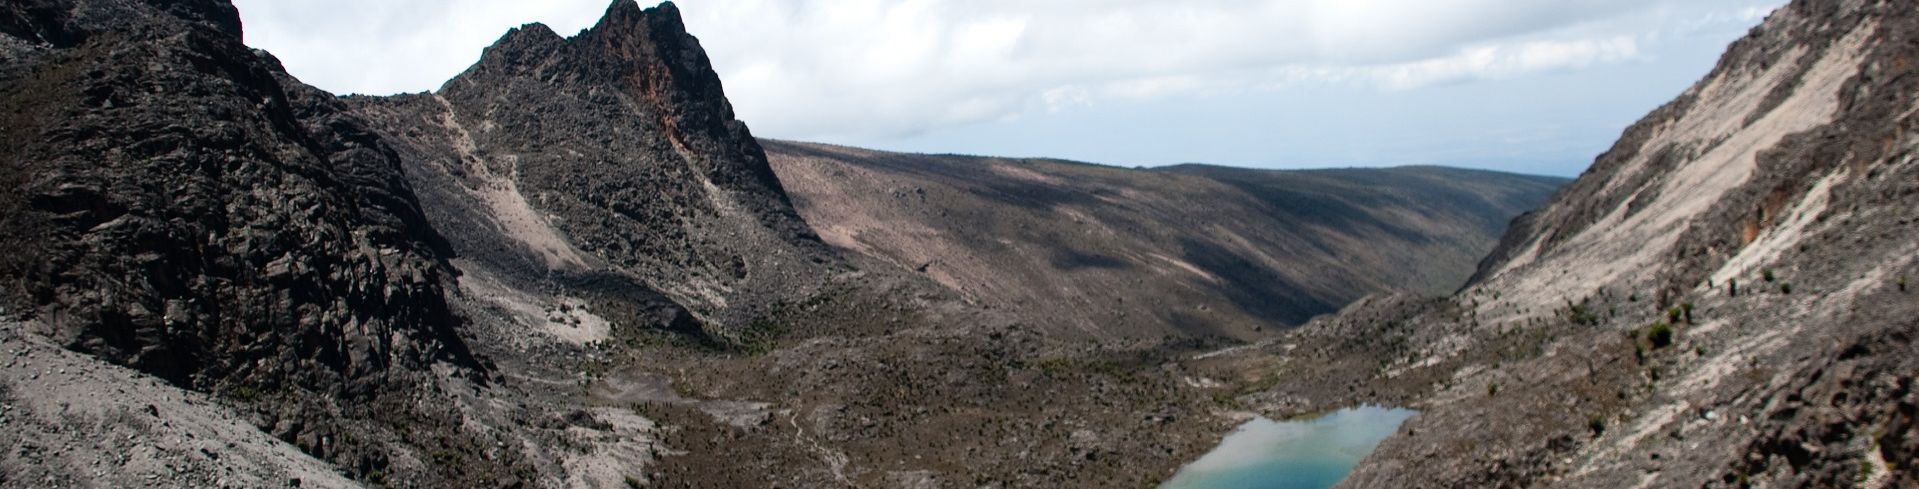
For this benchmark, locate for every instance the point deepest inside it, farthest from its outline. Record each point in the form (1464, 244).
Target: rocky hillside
(1721, 301)
(570, 266)
(1192, 250)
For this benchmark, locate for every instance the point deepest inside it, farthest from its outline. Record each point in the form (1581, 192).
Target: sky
(1514, 85)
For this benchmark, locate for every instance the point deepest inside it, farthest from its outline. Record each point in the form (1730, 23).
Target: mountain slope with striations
(1722, 300)
(1189, 250)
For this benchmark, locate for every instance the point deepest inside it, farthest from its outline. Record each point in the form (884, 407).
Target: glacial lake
(1308, 454)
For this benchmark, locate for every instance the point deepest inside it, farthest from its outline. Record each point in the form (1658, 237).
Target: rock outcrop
(182, 206)
(612, 154)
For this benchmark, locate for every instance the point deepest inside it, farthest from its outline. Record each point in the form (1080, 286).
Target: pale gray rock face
(76, 421)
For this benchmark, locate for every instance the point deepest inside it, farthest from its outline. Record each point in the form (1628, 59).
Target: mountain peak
(651, 46)
(657, 175)
(528, 38)
(626, 24)
(631, 49)
(629, 13)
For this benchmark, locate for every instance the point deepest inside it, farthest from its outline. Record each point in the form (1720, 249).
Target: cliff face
(1115, 253)
(182, 206)
(1722, 300)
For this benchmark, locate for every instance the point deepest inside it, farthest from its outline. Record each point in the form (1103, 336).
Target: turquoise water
(1310, 454)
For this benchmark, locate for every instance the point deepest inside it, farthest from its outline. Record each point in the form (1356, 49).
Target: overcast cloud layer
(1093, 79)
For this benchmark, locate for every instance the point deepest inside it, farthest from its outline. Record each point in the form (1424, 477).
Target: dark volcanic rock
(58, 23)
(182, 206)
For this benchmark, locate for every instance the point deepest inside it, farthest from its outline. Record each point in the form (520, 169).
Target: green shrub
(1766, 275)
(1785, 287)
(1902, 283)
(1732, 287)
(1597, 424)
(1685, 309)
(1660, 335)
(1580, 314)
(245, 393)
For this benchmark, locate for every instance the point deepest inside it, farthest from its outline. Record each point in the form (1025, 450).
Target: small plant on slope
(1580, 314)
(1660, 335)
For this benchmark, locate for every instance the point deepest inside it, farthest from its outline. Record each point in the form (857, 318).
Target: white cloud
(386, 46)
(876, 68)
(1504, 60)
